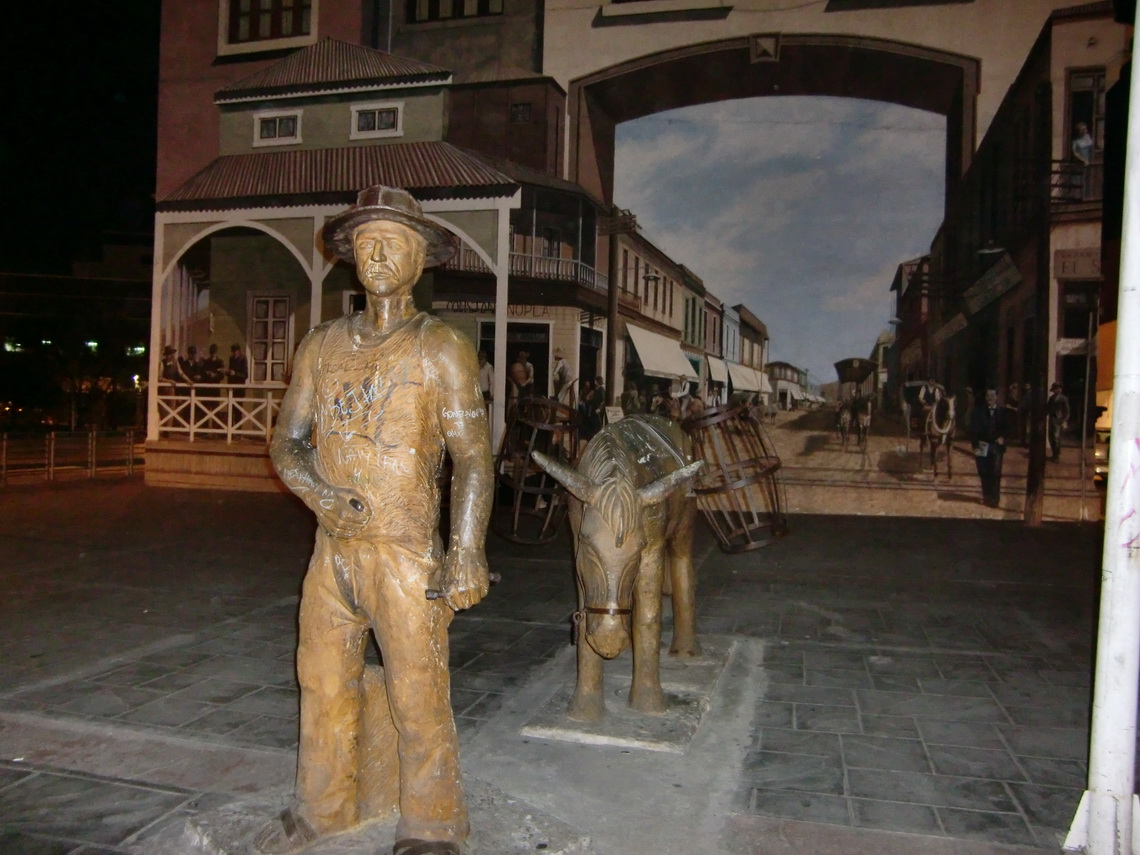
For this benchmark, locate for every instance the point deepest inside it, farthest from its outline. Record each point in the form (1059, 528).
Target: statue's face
(389, 256)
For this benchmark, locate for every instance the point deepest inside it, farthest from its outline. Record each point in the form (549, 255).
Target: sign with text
(912, 353)
(1077, 263)
(955, 325)
(1002, 276)
(487, 307)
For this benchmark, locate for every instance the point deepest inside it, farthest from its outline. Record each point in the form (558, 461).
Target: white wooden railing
(218, 412)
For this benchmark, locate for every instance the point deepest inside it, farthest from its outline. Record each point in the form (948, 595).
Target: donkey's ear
(659, 490)
(578, 484)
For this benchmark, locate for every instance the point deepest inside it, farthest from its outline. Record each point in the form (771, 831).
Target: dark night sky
(77, 133)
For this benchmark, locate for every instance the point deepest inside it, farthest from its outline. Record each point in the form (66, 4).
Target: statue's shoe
(412, 846)
(284, 834)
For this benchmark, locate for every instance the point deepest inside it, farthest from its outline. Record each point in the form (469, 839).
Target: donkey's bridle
(591, 610)
(580, 615)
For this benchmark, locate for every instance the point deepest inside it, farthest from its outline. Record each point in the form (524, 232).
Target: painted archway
(769, 65)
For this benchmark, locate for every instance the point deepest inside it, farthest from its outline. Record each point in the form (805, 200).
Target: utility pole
(1035, 476)
(620, 222)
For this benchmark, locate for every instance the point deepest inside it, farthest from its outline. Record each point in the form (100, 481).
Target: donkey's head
(610, 537)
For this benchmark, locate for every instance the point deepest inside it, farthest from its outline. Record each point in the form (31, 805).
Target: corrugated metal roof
(500, 73)
(429, 170)
(526, 175)
(331, 65)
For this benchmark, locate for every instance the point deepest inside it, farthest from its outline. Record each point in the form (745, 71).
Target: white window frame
(357, 109)
(258, 142)
(225, 48)
(288, 339)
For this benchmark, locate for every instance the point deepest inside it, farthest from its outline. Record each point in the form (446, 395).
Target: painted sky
(800, 208)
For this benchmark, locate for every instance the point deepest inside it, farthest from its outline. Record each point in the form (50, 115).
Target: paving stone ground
(916, 684)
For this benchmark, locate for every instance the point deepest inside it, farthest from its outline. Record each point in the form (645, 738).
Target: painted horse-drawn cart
(854, 409)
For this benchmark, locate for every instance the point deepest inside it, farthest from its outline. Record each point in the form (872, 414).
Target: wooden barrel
(738, 489)
(529, 504)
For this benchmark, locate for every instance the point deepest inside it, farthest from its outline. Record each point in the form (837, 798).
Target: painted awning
(743, 378)
(762, 378)
(660, 356)
(717, 369)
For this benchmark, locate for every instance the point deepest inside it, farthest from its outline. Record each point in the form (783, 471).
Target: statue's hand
(342, 513)
(466, 578)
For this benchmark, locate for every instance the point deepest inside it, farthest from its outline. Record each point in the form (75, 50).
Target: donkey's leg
(645, 694)
(587, 703)
(684, 584)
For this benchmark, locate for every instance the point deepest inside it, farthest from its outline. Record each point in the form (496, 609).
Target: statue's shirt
(378, 429)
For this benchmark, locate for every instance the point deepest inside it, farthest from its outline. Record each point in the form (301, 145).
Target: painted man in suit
(989, 430)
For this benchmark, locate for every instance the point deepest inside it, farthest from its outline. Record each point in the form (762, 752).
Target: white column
(1104, 821)
(158, 301)
(502, 277)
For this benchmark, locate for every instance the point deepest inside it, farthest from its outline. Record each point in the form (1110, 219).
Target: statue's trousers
(352, 586)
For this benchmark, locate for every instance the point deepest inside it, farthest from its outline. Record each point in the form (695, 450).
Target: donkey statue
(628, 511)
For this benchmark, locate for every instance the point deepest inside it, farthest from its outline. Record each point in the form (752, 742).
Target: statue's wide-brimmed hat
(388, 203)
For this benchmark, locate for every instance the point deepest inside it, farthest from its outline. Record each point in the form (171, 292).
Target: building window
(377, 119)
(277, 128)
(551, 242)
(421, 11)
(1086, 106)
(353, 301)
(270, 337)
(520, 114)
(1077, 310)
(255, 25)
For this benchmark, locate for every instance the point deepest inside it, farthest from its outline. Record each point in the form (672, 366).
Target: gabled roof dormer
(332, 67)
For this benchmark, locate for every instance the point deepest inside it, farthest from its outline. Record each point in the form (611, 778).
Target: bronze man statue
(375, 400)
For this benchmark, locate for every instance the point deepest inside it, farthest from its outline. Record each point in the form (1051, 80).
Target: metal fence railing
(68, 454)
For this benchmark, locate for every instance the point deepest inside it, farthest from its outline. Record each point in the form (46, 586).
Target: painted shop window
(277, 128)
(255, 25)
(421, 11)
(377, 119)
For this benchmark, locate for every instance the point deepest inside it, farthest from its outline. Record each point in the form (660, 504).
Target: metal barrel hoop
(738, 489)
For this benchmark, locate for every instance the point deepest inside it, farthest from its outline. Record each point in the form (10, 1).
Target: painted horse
(861, 420)
(843, 424)
(939, 432)
(628, 512)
